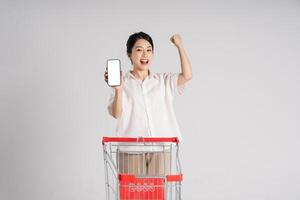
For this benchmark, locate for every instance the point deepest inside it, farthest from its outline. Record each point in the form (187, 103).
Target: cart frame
(125, 185)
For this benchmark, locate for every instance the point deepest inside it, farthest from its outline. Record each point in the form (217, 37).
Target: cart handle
(133, 178)
(140, 139)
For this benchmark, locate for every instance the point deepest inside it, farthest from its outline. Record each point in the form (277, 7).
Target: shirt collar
(130, 75)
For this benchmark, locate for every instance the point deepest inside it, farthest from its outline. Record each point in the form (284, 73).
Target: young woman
(143, 103)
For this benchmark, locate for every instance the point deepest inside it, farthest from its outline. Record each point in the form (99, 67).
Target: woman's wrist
(118, 90)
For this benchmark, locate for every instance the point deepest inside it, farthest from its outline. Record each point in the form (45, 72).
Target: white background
(239, 115)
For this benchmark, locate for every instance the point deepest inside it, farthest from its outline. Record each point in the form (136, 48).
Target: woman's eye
(149, 50)
(138, 50)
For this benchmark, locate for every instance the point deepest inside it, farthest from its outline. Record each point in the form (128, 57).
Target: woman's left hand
(176, 40)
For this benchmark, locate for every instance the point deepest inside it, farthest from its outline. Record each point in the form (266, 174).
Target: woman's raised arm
(186, 70)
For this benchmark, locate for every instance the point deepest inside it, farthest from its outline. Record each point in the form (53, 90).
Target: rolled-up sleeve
(171, 82)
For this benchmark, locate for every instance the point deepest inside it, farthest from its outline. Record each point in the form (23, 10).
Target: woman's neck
(140, 74)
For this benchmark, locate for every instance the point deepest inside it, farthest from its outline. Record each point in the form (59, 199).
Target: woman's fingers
(105, 75)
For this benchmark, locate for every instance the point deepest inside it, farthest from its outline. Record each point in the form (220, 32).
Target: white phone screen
(114, 72)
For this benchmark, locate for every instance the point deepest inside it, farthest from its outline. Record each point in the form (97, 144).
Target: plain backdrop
(239, 115)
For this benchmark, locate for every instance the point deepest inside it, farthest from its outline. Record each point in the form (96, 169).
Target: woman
(143, 103)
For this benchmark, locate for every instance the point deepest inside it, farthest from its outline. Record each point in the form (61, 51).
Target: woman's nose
(145, 53)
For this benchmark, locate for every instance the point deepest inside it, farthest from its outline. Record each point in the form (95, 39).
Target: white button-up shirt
(147, 106)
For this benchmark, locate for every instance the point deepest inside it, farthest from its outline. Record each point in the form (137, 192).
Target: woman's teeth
(144, 61)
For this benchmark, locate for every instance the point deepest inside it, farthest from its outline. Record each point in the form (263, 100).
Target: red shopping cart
(142, 168)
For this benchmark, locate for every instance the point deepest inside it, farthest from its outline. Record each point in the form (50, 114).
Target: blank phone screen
(113, 72)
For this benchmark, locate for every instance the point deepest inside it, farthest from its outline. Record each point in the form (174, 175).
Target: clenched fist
(176, 40)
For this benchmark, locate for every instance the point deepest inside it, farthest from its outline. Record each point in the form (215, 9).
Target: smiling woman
(140, 51)
(143, 103)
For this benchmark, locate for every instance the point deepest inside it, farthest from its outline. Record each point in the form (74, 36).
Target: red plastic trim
(175, 178)
(169, 178)
(126, 177)
(140, 139)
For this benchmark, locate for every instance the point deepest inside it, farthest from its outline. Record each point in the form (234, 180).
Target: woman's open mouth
(144, 61)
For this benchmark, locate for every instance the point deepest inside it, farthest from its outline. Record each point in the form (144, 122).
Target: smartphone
(114, 72)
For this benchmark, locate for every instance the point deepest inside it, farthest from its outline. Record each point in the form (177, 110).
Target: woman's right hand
(117, 88)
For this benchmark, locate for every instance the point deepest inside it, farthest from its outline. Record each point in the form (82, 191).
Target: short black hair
(136, 36)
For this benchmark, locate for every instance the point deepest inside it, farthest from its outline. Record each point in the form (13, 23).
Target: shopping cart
(142, 168)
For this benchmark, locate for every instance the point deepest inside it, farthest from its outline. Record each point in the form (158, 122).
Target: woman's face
(141, 55)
